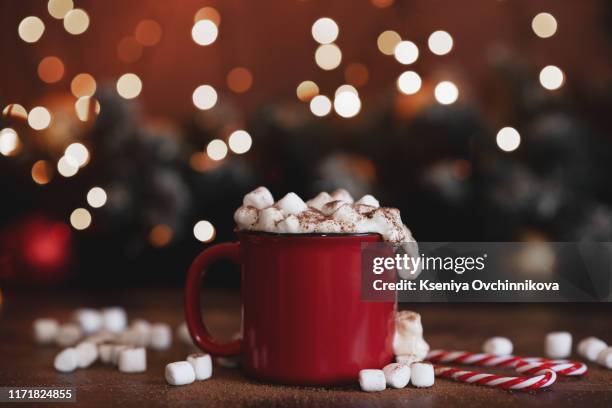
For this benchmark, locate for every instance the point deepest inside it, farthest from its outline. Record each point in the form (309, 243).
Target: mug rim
(306, 234)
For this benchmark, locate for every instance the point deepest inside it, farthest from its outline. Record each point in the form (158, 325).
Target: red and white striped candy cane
(543, 380)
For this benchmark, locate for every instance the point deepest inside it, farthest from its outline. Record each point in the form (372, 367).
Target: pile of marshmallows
(105, 335)
(410, 349)
(558, 345)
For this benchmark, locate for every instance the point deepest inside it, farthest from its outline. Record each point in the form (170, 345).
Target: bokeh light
(328, 56)
(86, 108)
(148, 33)
(129, 86)
(239, 80)
(160, 235)
(80, 219)
(409, 82)
(440, 42)
(508, 139)
(544, 25)
(208, 13)
(307, 90)
(83, 84)
(325, 30)
(204, 32)
(31, 29)
(59, 8)
(129, 50)
(446, 93)
(551, 77)
(356, 74)
(204, 231)
(42, 172)
(50, 69)
(9, 142)
(382, 3)
(216, 149)
(204, 97)
(346, 88)
(387, 41)
(77, 154)
(16, 111)
(65, 168)
(39, 118)
(320, 105)
(76, 21)
(406, 52)
(96, 197)
(240, 141)
(347, 104)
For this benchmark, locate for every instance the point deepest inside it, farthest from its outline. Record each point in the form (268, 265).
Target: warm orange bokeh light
(51, 69)
(239, 80)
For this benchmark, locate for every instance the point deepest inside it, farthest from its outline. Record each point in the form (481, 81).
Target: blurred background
(131, 130)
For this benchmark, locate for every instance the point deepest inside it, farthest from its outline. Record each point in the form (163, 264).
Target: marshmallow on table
(258, 198)
(499, 346)
(90, 320)
(87, 354)
(45, 330)
(66, 361)
(372, 380)
(161, 336)
(132, 360)
(397, 375)
(590, 348)
(604, 358)
(68, 335)
(142, 332)
(407, 359)
(116, 352)
(202, 365)
(101, 337)
(114, 319)
(105, 351)
(558, 345)
(179, 373)
(422, 374)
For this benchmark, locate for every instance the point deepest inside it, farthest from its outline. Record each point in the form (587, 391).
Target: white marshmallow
(68, 335)
(259, 198)
(558, 345)
(291, 203)
(66, 361)
(116, 352)
(105, 351)
(422, 375)
(268, 218)
(346, 213)
(332, 207)
(90, 320)
(397, 375)
(290, 225)
(372, 380)
(101, 337)
(133, 360)
(141, 332)
(128, 337)
(604, 358)
(410, 344)
(87, 354)
(342, 194)
(328, 226)
(114, 319)
(407, 359)
(202, 365)
(246, 217)
(229, 362)
(320, 200)
(45, 330)
(161, 336)
(407, 321)
(500, 346)
(180, 373)
(590, 348)
(368, 200)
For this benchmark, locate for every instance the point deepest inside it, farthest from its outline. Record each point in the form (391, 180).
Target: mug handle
(193, 317)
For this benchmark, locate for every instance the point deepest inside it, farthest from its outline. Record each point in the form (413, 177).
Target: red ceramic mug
(304, 321)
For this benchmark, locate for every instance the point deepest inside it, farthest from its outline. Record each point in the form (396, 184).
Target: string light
(204, 231)
(129, 86)
(80, 219)
(216, 149)
(307, 90)
(65, 168)
(129, 50)
(39, 118)
(346, 88)
(96, 197)
(9, 142)
(508, 139)
(15, 110)
(204, 97)
(328, 56)
(160, 235)
(240, 141)
(31, 29)
(387, 41)
(382, 3)
(347, 104)
(59, 8)
(76, 21)
(356, 74)
(50, 69)
(406, 52)
(83, 85)
(86, 107)
(77, 155)
(440, 42)
(204, 32)
(325, 30)
(42, 172)
(544, 25)
(446, 92)
(148, 33)
(409, 82)
(208, 13)
(551, 77)
(320, 105)
(239, 80)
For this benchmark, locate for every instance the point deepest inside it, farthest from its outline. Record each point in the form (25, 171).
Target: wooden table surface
(456, 326)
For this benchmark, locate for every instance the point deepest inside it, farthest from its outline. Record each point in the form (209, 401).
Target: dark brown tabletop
(449, 326)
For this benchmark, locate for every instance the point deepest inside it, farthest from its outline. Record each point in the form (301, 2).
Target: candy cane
(535, 382)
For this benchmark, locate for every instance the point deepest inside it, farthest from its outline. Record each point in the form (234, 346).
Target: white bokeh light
(508, 139)
(66, 168)
(80, 219)
(204, 97)
(39, 118)
(440, 42)
(320, 105)
(346, 88)
(406, 52)
(9, 141)
(446, 92)
(347, 104)
(240, 141)
(325, 30)
(328, 56)
(77, 154)
(551, 77)
(409, 82)
(216, 149)
(544, 25)
(96, 197)
(204, 32)
(204, 231)
(129, 86)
